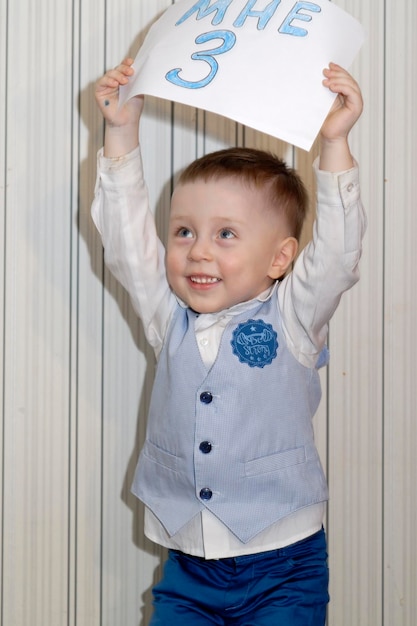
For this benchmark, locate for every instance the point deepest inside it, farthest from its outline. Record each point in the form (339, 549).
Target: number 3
(229, 40)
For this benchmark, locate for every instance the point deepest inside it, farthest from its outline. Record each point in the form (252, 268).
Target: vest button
(205, 447)
(206, 397)
(206, 493)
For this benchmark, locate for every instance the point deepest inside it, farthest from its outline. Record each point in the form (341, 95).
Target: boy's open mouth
(204, 280)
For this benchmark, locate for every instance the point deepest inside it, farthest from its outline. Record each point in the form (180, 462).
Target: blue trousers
(285, 587)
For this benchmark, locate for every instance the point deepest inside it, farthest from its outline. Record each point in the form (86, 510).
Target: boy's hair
(262, 169)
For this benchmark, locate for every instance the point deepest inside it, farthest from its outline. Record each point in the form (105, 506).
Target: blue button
(206, 494)
(205, 447)
(206, 397)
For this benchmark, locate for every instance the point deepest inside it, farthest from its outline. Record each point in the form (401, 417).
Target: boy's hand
(347, 108)
(122, 123)
(107, 96)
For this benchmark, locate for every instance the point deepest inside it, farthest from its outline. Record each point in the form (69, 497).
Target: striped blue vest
(235, 438)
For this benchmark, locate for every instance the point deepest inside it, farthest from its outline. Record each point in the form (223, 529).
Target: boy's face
(225, 245)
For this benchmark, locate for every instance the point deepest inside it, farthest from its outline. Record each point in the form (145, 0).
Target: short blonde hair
(264, 170)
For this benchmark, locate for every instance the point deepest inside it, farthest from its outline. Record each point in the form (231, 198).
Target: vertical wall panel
(400, 331)
(87, 311)
(37, 314)
(3, 130)
(76, 372)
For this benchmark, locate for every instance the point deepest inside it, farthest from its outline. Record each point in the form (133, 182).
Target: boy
(229, 472)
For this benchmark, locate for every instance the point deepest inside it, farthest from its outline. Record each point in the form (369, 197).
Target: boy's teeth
(203, 279)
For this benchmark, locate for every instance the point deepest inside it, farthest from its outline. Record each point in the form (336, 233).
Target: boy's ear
(284, 256)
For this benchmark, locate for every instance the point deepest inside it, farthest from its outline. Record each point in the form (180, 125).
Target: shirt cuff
(112, 164)
(335, 186)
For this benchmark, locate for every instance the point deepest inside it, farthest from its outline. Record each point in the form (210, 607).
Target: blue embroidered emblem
(255, 342)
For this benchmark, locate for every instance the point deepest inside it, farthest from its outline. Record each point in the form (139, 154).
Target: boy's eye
(184, 232)
(226, 234)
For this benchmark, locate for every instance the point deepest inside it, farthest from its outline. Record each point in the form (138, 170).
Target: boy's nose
(200, 250)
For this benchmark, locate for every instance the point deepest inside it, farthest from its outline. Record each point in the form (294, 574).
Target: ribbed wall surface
(76, 372)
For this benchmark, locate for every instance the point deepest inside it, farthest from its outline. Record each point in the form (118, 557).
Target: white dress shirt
(307, 298)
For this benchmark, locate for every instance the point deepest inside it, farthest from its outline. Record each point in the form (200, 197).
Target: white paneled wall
(76, 372)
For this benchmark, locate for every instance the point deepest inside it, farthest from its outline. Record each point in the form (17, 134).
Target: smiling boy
(229, 471)
(229, 237)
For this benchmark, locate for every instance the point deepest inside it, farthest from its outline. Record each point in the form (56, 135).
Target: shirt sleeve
(132, 250)
(327, 267)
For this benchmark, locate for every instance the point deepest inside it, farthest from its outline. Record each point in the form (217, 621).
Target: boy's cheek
(172, 269)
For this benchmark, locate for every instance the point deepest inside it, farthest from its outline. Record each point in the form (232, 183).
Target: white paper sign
(258, 62)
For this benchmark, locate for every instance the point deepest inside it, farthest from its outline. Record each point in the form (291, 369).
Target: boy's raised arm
(122, 124)
(335, 155)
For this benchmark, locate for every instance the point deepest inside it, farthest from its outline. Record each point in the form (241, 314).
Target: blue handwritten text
(204, 8)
